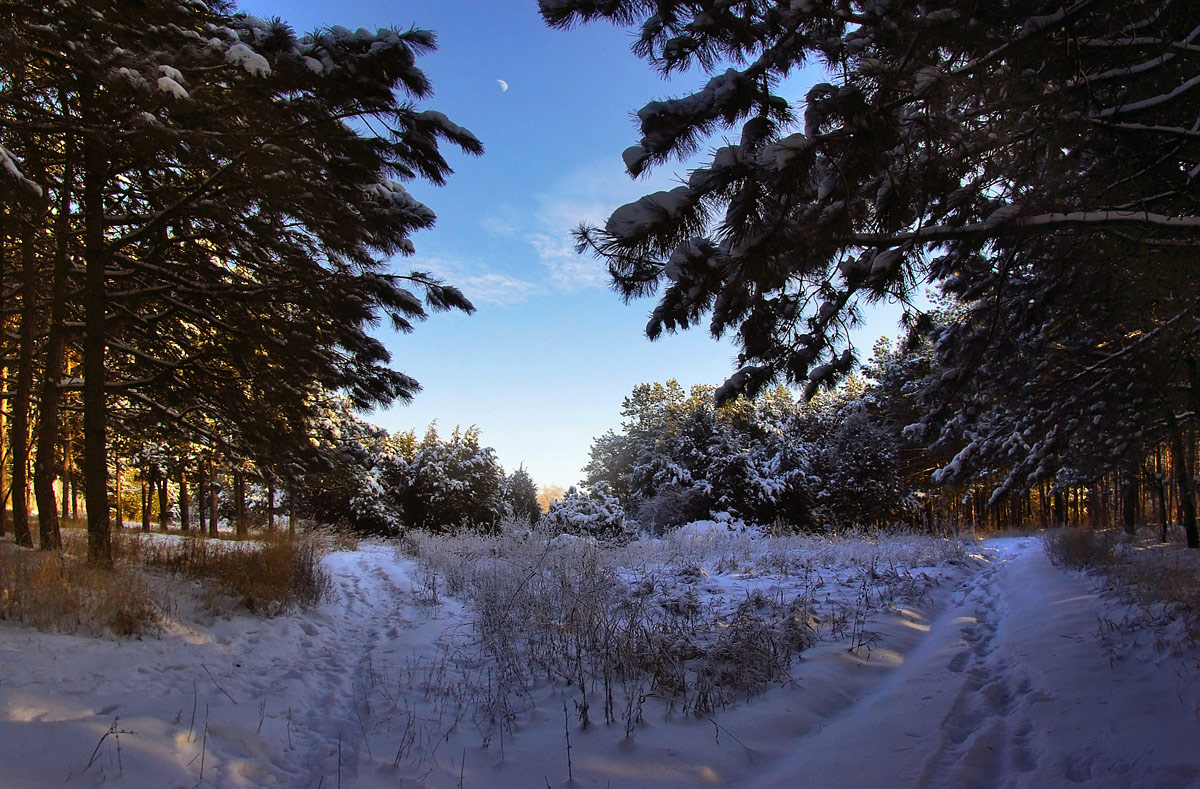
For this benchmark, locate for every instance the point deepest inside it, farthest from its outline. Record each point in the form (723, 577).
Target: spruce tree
(520, 494)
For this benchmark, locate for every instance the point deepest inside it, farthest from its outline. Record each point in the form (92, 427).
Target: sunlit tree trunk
(49, 428)
(18, 434)
(185, 517)
(1183, 479)
(201, 497)
(67, 485)
(117, 508)
(212, 502)
(5, 448)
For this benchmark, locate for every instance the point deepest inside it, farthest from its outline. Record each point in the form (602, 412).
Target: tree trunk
(185, 517)
(201, 499)
(291, 509)
(239, 493)
(5, 478)
(212, 503)
(74, 496)
(271, 505)
(95, 305)
(18, 435)
(164, 501)
(145, 503)
(120, 516)
(1129, 501)
(5, 451)
(45, 465)
(1183, 479)
(66, 478)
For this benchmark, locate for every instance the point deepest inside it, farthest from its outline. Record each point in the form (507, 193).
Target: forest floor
(979, 665)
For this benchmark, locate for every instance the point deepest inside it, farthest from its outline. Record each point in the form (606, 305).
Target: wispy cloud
(586, 195)
(478, 284)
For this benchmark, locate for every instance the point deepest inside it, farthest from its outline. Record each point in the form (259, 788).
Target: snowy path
(1006, 677)
(374, 616)
(1011, 687)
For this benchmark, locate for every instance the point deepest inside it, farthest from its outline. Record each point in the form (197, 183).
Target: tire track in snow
(956, 712)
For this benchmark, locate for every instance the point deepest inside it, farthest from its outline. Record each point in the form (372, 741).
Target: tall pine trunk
(5, 452)
(164, 501)
(1183, 479)
(1129, 500)
(117, 497)
(95, 305)
(145, 503)
(201, 497)
(5, 449)
(22, 399)
(241, 519)
(185, 517)
(67, 486)
(45, 465)
(212, 502)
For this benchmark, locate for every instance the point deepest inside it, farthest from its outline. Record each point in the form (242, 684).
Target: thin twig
(192, 722)
(203, 746)
(214, 681)
(567, 730)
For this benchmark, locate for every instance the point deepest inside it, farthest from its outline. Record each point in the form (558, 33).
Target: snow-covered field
(708, 658)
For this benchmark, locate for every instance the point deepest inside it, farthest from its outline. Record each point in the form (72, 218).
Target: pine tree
(521, 495)
(1034, 160)
(231, 215)
(452, 483)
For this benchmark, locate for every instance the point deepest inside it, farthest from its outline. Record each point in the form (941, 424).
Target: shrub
(1161, 583)
(596, 513)
(1079, 548)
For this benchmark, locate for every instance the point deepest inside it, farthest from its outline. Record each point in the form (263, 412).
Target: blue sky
(542, 366)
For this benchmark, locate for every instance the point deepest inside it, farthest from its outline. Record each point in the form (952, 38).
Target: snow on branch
(247, 58)
(1153, 101)
(935, 233)
(8, 164)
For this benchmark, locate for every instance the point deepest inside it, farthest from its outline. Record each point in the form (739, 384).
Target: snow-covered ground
(936, 666)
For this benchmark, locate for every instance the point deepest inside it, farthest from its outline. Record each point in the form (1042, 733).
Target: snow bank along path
(1012, 687)
(1006, 683)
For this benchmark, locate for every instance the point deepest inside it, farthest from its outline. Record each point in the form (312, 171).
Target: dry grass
(623, 623)
(1080, 549)
(64, 593)
(1161, 583)
(267, 576)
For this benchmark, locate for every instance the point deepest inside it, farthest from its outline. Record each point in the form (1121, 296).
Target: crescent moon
(503, 85)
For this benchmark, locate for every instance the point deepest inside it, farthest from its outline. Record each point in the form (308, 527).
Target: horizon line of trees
(857, 455)
(363, 479)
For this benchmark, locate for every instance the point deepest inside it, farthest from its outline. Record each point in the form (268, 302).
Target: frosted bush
(711, 613)
(595, 513)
